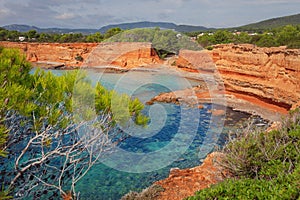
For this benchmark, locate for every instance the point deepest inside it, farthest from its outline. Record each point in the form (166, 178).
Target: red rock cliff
(272, 74)
(127, 55)
(60, 53)
(183, 183)
(269, 75)
(123, 54)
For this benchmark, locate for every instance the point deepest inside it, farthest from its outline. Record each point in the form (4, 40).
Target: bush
(79, 58)
(49, 136)
(255, 154)
(285, 187)
(210, 48)
(265, 165)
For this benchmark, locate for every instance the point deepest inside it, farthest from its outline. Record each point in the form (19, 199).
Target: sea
(177, 136)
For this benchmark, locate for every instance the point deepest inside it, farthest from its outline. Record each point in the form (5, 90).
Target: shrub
(79, 58)
(284, 187)
(264, 165)
(210, 48)
(255, 154)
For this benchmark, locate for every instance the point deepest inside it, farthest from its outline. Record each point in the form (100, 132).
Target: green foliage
(205, 40)
(266, 40)
(111, 32)
(273, 23)
(221, 37)
(14, 75)
(39, 104)
(242, 38)
(289, 35)
(285, 187)
(79, 58)
(5, 195)
(96, 37)
(163, 41)
(284, 36)
(266, 165)
(121, 106)
(33, 36)
(3, 138)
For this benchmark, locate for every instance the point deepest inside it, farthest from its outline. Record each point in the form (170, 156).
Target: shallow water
(183, 128)
(177, 136)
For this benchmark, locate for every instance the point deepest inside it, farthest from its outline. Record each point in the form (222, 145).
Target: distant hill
(274, 22)
(146, 24)
(26, 28)
(266, 24)
(124, 26)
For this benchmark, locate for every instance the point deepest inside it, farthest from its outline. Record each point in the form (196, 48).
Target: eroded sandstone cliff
(56, 54)
(123, 54)
(68, 55)
(268, 77)
(269, 74)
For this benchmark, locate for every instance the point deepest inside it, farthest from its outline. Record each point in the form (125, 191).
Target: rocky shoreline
(261, 76)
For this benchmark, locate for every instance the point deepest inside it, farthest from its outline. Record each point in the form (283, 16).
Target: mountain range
(124, 26)
(266, 24)
(274, 22)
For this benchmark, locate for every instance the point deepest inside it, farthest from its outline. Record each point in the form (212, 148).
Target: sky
(98, 13)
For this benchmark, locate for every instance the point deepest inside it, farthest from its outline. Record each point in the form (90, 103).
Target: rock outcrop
(269, 77)
(197, 61)
(253, 77)
(123, 54)
(69, 55)
(54, 54)
(184, 183)
(269, 74)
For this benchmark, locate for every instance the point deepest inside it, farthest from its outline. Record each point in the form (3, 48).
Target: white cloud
(4, 12)
(65, 16)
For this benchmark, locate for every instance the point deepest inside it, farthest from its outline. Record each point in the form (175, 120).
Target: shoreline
(235, 101)
(272, 75)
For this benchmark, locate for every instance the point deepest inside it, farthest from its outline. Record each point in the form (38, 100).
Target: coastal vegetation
(264, 165)
(272, 23)
(53, 129)
(165, 42)
(34, 36)
(284, 36)
(288, 35)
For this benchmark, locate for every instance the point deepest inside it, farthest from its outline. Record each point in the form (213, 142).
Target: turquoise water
(104, 182)
(181, 135)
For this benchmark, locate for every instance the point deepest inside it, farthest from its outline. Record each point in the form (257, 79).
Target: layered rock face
(126, 55)
(269, 74)
(199, 61)
(57, 54)
(260, 75)
(123, 54)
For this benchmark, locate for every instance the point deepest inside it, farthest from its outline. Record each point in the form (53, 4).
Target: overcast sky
(97, 13)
